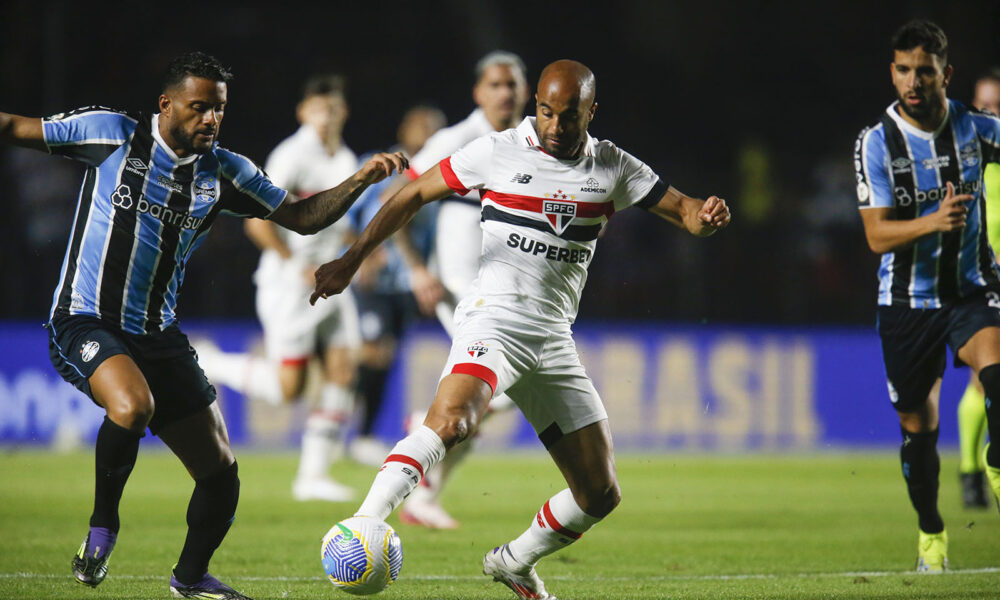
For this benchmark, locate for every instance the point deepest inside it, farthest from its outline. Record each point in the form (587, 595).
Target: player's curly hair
(922, 33)
(198, 64)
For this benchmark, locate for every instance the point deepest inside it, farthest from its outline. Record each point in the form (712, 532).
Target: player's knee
(131, 410)
(453, 429)
(600, 501)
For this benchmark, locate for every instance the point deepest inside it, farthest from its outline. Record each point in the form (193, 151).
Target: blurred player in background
(153, 188)
(547, 190)
(311, 159)
(383, 289)
(500, 93)
(919, 173)
(972, 407)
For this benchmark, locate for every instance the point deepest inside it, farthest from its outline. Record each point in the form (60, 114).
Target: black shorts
(914, 339)
(79, 344)
(385, 314)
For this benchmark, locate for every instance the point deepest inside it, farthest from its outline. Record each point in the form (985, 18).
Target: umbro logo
(901, 165)
(520, 178)
(136, 166)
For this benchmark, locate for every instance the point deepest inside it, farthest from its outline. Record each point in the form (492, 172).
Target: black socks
(921, 467)
(210, 513)
(114, 458)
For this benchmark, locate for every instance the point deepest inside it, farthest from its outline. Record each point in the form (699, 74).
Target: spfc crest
(477, 349)
(559, 214)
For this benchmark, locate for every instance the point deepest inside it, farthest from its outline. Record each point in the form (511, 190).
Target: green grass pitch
(693, 527)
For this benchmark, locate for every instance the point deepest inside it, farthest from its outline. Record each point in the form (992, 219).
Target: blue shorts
(914, 340)
(78, 344)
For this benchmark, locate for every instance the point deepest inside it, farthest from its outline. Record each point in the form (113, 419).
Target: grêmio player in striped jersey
(920, 190)
(153, 187)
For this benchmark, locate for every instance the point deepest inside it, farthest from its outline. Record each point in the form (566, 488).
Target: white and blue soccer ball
(362, 555)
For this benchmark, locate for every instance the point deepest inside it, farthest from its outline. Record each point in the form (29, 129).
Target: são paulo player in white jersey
(312, 159)
(501, 91)
(547, 188)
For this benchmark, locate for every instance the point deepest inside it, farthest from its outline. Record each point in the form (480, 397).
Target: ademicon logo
(122, 198)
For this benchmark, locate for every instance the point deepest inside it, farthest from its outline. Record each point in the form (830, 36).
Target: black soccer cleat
(209, 588)
(90, 565)
(974, 490)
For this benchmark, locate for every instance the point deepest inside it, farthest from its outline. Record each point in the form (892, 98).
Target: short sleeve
(88, 134)
(870, 160)
(469, 168)
(637, 184)
(988, 129)
(438, 146)
(249, 193)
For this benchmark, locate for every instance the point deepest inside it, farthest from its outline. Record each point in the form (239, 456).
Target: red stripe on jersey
(411, 173)
(402, 458)
(477, 371)
(451, 179)
(556, 526)
(584, 210)
(295, 362)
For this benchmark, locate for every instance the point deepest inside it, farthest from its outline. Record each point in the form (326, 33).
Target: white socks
(410, 458)
(323, 439)
(559, 523)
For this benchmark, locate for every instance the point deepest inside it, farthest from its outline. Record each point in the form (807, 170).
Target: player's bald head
(568, 79)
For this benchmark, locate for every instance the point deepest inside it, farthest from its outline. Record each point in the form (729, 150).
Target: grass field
(692, 527)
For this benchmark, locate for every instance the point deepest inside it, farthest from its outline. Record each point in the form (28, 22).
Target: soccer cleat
(932, 552)
(321, 489)
(993, 477)
(421, 508)
(209, 588)
(90, 565)
(973, 490)
(521, 579)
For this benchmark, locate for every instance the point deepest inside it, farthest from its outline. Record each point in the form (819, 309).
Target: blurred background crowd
(756, 102)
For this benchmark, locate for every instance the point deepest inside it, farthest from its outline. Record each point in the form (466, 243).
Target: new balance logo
(520, 178)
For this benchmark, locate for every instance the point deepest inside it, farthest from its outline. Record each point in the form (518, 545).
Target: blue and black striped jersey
(901, 167)
(141, 212)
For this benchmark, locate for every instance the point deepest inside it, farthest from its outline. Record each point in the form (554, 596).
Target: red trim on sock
(556, 526)
(295, 362)
(477, 370)
(405, 460)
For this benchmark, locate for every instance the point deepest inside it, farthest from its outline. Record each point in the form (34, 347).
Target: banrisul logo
(122, 198)
(559, 214)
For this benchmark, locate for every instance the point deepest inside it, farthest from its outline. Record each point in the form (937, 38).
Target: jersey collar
(529, 136)
(167, 149)
(893, 112)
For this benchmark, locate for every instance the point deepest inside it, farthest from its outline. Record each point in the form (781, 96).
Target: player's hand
(714, 214)
(427, 290)
(953, 211)
(333, 278)
(382, 165)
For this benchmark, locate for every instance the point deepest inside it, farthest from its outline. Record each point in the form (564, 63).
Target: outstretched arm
(22, 131)
(333, 277)
(312, 214)
(699, 217)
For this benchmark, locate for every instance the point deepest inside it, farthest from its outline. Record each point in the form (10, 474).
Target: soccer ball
(361, 555)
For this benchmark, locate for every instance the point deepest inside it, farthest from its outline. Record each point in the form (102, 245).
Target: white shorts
(536, 365)
(294, 330)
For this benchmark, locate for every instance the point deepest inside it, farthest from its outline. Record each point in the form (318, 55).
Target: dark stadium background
(757, 102)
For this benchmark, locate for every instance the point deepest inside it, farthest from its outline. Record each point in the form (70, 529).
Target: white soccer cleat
(521, 579)
(422, 508)
(321, 489)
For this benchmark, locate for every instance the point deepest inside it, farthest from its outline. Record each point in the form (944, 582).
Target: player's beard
(930, 106)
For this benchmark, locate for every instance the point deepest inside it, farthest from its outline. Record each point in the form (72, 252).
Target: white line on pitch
(553, 577)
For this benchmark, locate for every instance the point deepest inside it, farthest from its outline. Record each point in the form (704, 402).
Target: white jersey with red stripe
(446, 141)
(541, 216)
(304, 167)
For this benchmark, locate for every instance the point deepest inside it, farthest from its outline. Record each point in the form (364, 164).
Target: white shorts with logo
(294, 330)
(536, 364)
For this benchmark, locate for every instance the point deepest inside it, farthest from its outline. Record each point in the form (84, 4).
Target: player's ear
(593, 111)
(164, 103)
(948, 72)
